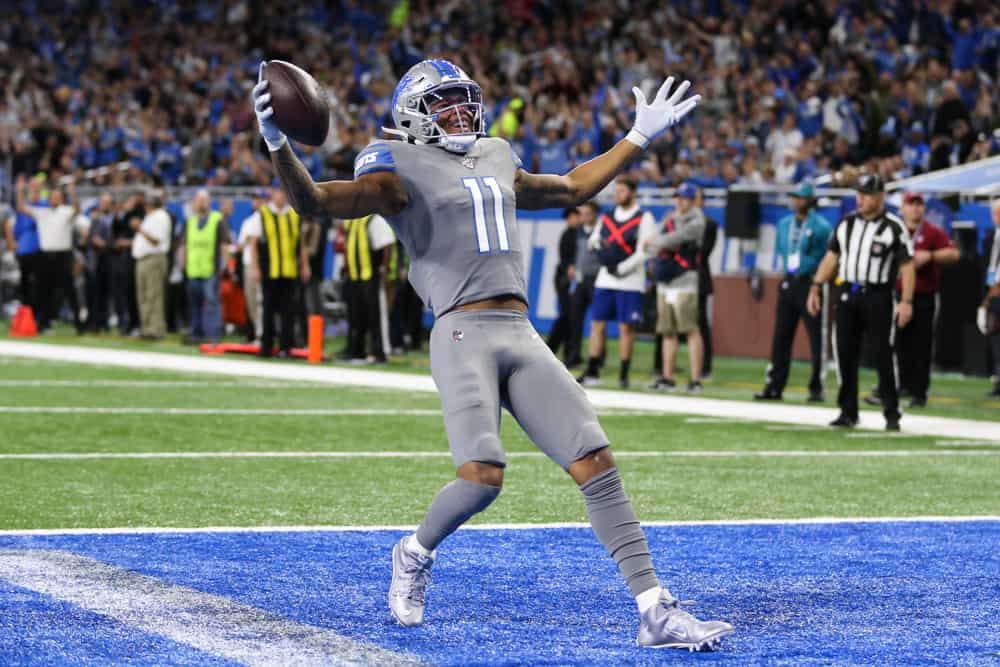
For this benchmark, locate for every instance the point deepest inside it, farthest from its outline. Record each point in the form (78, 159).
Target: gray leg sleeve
(455, 504)
(617, 527)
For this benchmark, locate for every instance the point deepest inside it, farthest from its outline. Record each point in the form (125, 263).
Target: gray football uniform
(460, 232)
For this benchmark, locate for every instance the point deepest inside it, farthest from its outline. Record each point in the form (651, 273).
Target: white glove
(274, 137)
(981, 320)
(652, 120)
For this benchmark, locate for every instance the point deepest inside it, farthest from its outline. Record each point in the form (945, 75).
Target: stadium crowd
(792, 90)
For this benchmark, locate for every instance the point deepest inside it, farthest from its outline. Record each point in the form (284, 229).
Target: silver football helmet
(437, 103)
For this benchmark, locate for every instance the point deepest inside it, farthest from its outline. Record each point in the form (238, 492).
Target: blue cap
(687, 190)
(803, 189)
(685, 154)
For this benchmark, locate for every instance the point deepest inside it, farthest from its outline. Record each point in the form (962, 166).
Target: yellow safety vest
(357, 250)
(282, 234)
(200, 246)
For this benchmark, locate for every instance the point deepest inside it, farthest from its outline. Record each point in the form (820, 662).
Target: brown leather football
(301, 109)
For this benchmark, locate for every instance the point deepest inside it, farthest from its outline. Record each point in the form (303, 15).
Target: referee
(866, 250)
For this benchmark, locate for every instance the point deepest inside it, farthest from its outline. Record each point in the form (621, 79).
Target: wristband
(637, 138)
(909, 301)
(274, 147)
(815, 284)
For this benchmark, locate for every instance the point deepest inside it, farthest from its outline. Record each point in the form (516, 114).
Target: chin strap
(457, 143)
(453, 143)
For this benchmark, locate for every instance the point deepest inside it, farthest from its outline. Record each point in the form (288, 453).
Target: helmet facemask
(449, 115)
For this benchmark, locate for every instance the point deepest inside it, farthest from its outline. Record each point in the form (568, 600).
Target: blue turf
(886, 593)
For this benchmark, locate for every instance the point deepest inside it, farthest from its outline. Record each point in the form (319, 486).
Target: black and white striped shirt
(870, 250)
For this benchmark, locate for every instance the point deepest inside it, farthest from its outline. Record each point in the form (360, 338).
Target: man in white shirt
(55, 224)
(149, 248)
(618, 239)
(788, 136)
(250, 231)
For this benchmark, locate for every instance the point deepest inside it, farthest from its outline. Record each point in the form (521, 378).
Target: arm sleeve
(834, 245)
(374, 157)
(515, 158)
(690, 228)
(942, 240)
(779, 238)
(647, 230)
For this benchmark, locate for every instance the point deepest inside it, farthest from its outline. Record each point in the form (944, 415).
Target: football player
(450, 192)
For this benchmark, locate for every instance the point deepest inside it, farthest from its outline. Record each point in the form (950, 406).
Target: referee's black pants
(278, 299)
(866, 312)
(791, 307)
(914, 345)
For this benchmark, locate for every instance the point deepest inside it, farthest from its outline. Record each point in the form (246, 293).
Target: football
(301, 109)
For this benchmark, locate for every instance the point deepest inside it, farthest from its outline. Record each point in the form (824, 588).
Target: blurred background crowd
(792, 90)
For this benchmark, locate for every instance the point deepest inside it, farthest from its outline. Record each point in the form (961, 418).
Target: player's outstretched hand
(666, 110)
(262, 107)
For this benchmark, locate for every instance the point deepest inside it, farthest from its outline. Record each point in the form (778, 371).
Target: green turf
(204, 492)
(951, 395)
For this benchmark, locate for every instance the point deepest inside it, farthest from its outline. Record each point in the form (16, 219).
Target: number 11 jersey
(460, 226)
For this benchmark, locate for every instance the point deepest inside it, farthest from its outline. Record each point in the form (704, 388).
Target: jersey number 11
(475, 188)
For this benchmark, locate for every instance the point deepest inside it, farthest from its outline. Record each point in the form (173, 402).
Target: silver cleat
(666, 625)
(411, 574)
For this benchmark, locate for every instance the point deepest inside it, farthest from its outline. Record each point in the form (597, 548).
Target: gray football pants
(484, 359)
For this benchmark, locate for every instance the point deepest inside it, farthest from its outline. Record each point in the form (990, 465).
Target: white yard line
(794, 427)
(159, 530)
(697, 454)
(270, 412)
(217, 625)
(967, 443)
(158, 384)
(707, 407)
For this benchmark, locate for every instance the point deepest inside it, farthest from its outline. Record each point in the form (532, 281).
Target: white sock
(648, 598)
(413, 545)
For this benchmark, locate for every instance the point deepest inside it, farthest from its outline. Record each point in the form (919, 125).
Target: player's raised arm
(536, 191)
(378, 192)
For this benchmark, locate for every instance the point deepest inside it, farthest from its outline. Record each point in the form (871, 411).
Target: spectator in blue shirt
(21, 234)
(916, 153)
(553, 152)
(800, 246)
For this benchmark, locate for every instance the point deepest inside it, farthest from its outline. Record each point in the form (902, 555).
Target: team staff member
(866, 250)
(621, 279)
(367, 254)
(205, 238)
(932, 249)
(564, 279)
(586, 268)
(246, 243)
(678, 253)
(802, 238)
(990, 307)
(279, 258)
